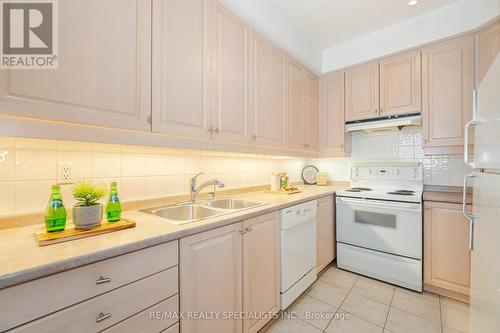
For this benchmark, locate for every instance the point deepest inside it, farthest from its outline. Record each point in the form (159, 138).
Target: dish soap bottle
(114, 207)
(55, 214)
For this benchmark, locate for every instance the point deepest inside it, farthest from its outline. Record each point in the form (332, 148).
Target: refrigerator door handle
(469, 217)
(473, 122)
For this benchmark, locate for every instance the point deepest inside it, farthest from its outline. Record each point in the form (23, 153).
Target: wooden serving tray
(282, 192)
(44, 238)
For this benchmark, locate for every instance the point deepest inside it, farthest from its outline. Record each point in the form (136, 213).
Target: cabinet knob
(381, 110)
(375, 111)
(242, 232)
(306, 145)
(102, 280)
(248, 229)
(341, 146)
(216, 130)
(102, 316)
(254, 137)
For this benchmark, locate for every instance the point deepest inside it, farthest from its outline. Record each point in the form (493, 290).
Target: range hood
(385, 124)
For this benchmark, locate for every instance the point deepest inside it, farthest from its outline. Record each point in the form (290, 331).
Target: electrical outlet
(65, 173)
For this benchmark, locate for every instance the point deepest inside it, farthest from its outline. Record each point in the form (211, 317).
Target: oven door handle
(380, 204)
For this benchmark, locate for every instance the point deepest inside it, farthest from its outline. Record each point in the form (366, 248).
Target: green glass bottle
(55, 214)
(114, 207)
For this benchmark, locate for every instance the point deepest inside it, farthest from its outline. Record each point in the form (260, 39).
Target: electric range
(379, 223)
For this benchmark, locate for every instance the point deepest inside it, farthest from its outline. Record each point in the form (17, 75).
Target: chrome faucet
(196, 190)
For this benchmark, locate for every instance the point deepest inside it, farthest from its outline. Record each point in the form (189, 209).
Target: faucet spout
(196, 190)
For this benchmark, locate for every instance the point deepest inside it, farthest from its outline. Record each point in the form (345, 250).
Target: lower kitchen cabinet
(211, 279)
(230, 269)
(446, 250)
(112, 295)
(325, 225)
(261, 269)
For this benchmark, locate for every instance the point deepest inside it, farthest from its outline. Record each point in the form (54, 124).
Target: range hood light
(385, 124)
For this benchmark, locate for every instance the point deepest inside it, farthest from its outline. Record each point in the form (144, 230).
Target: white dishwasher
(297, 250)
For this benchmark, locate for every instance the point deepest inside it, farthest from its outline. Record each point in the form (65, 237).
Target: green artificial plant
(88, 194)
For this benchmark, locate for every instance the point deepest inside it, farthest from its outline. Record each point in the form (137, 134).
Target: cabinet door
(489, 47)
(312, 113)
(269, 111)
(230, 111)
(446, 247)
(447, 82)
(332, 115)
(400, 85)
(261, 269)
(210, 278)
(297, 108)
(104, 74)
(325, 224)
(361, 92)
(180, 67)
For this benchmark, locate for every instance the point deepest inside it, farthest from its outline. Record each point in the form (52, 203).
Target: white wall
(267, 19)
(453, 19)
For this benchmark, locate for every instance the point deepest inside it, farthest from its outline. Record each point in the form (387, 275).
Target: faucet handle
(220, 183)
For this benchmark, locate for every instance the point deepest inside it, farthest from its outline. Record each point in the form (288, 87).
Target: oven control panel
(406, 172)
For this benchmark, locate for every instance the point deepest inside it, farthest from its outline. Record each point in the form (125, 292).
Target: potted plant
(87, 213)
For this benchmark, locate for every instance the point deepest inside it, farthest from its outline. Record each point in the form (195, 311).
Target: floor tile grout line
(389, 310)
(343, 300)
(441, 315)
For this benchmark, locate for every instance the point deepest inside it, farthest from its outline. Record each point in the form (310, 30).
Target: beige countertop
(21, 260)
(449, 194)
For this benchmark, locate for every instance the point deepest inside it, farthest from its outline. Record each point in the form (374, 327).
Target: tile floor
(344, 302)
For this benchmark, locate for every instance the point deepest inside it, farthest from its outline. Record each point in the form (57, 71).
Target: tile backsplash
(28, 167)
(397, 146)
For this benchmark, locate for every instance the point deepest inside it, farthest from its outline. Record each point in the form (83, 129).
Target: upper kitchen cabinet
(447, 84)
(362, 92)
(302, 108)
(297, 108)
(181, 58)
(489, 47)
(312, 140)
(104, 74)
(231, 97)
(269, 91)
(400, 85)
(331, 117)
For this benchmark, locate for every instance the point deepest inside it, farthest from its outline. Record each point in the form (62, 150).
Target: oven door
(391, 227)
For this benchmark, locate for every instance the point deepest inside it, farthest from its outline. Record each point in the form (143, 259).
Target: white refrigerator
(485, 215)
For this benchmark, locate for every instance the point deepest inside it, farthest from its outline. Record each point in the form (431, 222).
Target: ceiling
(331, 22)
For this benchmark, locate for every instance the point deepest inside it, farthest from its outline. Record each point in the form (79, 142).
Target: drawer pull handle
(102, 280)
(102, 316)
(248, 229)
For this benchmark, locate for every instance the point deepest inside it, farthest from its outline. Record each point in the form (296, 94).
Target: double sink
(183, 213)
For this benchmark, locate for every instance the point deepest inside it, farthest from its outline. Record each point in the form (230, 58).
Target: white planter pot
(87, 217)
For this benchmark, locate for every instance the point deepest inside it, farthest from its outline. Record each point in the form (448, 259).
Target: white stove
(379, 223)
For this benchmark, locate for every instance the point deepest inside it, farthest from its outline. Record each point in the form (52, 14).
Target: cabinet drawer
(108, 309)
(152, 320)
(34, 299)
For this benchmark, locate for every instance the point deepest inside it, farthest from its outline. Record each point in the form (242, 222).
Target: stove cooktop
(392, 194)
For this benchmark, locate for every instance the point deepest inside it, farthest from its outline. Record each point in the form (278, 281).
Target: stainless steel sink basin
(229, 203)
(184, 214)
(188, 212)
